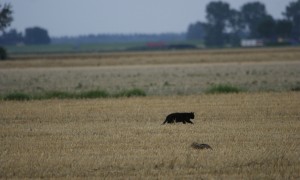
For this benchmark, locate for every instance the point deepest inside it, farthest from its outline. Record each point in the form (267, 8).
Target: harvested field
(253, 136)
(156, 73)
(154, 58)
(183, 79)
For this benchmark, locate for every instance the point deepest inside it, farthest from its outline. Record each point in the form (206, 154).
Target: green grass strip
(131, 93)
(223, 88)
(18, 96)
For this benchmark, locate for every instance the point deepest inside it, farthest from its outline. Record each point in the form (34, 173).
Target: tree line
(119, 38)
(33, 35)
(226, 25)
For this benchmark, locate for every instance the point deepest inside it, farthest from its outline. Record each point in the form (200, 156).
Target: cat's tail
(164, 122)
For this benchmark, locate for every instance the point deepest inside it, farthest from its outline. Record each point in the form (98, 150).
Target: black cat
(180, 117)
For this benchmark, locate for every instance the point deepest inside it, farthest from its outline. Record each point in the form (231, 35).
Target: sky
(81, 17)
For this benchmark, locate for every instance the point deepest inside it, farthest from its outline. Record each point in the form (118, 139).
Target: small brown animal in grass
(201, 146)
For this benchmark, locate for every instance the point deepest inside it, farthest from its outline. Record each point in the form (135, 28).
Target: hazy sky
(78, 17)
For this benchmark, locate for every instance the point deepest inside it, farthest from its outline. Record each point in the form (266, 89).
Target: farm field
(156, 73)
(253, 136)
(153, 57)
(183, 79)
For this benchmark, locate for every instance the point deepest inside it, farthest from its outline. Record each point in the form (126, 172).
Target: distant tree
(11, 37)
(284, 28)
(292, 13)
(253, 13)
(266, 28)
(214, 37)
(235, 21)
(5, 16)
(5, 20)
(196, 31)
(235, 27)
(218, 14)
(36, 35)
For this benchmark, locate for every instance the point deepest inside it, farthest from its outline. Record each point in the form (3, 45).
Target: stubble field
(254, 134)
(156, 73)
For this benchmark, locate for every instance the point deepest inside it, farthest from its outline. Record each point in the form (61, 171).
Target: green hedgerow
(17, 96)
(72, 95)
(223, 88)
(57, 95)
(94, 94)
(131, 93)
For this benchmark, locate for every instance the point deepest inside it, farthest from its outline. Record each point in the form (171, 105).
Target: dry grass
(154, 79)
(253, 136)
(156, 73)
